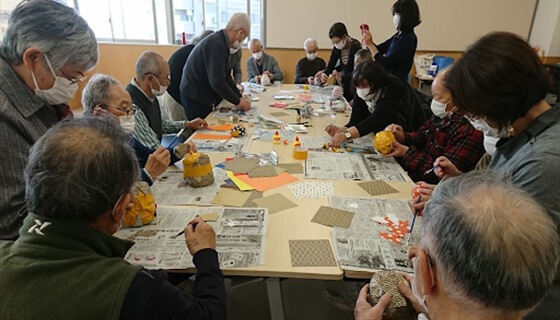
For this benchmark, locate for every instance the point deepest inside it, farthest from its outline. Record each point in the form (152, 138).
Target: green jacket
(59, 269)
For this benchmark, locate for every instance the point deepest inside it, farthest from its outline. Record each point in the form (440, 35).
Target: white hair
(238, 21)
(148, 63)
(97, 91)
(308, 41)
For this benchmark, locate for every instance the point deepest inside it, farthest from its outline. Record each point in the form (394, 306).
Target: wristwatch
(348, 135)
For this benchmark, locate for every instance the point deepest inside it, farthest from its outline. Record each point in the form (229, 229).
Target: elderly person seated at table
(488, 251)
(261, 64)
(446, 133)
(381, 99)
(105, 96)
(45, 51)
(362, 55)
(307, 67)
(151, 81)
(66, 261)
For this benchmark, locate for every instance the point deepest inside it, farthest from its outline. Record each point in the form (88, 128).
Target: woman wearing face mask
(341, 62)
(447, 133)
(381, 99)
(396, 54)
(507, 101)
(45, 52)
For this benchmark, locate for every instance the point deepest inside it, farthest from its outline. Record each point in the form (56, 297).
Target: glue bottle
(276, 139)
(433, 69)
(306, 87)
(297, 143)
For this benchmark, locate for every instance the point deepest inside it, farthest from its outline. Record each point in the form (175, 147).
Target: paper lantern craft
(388, 281)
(144, 207)
(384, 142)
(197, 170)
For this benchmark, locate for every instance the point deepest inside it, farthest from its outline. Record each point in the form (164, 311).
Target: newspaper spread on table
(170, 188)
(359, 247)
(360, 145)
(240, 238)
(233, 145)
(352, 166)
(225, 111)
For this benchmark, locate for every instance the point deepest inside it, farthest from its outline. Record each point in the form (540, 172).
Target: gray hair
(238, 21)
(203, 35)
(79, 169)
(55, 29)
(97, 91)
(148, 63)
(494, 247)
(364, 54)
(255, 41)
(308, 41)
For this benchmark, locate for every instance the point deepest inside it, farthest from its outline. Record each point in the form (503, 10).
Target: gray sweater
(268, 64)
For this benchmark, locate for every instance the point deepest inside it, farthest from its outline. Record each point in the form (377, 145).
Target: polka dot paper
(312, 189)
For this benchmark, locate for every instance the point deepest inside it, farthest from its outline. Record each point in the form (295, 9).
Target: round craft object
(197, 170)
(387, 281)
(384, 142)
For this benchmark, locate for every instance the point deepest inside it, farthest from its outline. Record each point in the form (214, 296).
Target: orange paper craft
(223, 127)
(205, 136)
(263, 183)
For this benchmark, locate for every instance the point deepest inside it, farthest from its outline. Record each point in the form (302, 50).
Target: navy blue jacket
(397, 54)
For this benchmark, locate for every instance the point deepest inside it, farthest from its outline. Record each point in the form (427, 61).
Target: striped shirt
(24, 118)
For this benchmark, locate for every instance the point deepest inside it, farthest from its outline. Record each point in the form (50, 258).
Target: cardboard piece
(229, 197)
(241, 165)
(377, 187)
(292, 168)
(264, 184)
(209, 217)
(250, 203)
(279, 114)
(275, 203)
(263, 171)
(333, 217)
(311, 253)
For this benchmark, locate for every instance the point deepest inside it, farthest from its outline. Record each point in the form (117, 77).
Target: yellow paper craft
(223, 127)
(206, 136)
(263, 184)
(240, 184)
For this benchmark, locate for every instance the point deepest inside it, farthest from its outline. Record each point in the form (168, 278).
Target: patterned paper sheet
(311, 253)
(312, 189)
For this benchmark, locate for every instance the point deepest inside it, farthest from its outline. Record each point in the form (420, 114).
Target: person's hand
(367, 38)
(397, 131)
(199, 235)
(258, 79)
(240, 88)
(244, 104)
(323, 78)
(192, 146)
(269, 75)
(364, 311)
(337, 140)
(407, 292)
(425, 190)
(399, 150)
(158, 162)
(412, 253)
(445, 168)
(337, 76)
(182, 149)
(311, 80)
(332, 129)
(196, 124)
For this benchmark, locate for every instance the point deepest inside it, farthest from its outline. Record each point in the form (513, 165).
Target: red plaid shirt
(454, 137)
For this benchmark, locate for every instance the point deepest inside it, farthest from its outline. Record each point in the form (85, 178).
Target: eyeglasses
(129, 112)
(80, 78)
(168, 78)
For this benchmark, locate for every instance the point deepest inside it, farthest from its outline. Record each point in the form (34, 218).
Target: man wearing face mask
(105, 97)
(447, 133)
(261, 64)
(152, 78)
(45, 51)
(67, 260)
(488, 251)
(207, 74)
(307, 67)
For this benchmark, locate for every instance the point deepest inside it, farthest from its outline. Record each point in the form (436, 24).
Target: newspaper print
(359, 247)
(171, 189)
(240, 238)
(233, 145)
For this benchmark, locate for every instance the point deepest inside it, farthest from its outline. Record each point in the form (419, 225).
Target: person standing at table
(396, 54)
(307, 68)
(45, 51)
(151, 81)
(207, 74)
(262, 64)
(68, 265)
(341, 62)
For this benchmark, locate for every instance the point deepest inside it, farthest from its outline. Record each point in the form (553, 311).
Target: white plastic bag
(422, 63)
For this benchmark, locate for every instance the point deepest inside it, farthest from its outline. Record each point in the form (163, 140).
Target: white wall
(545, 32)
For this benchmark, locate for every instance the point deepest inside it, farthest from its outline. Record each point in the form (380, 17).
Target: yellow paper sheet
(240, 184)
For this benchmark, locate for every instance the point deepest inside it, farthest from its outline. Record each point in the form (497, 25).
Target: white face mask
(233, 50)
(481, 125)
(311, 56)
(128, 123)
(490, 144)
(161, 90)
(62, 91)
(396, 20)
(415, 290)
(340, 45)
(438, 109)
(258, 55)
(364, 93)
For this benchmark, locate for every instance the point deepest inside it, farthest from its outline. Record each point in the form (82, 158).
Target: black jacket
(150, 108)
(345, 70)
(176, 63)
